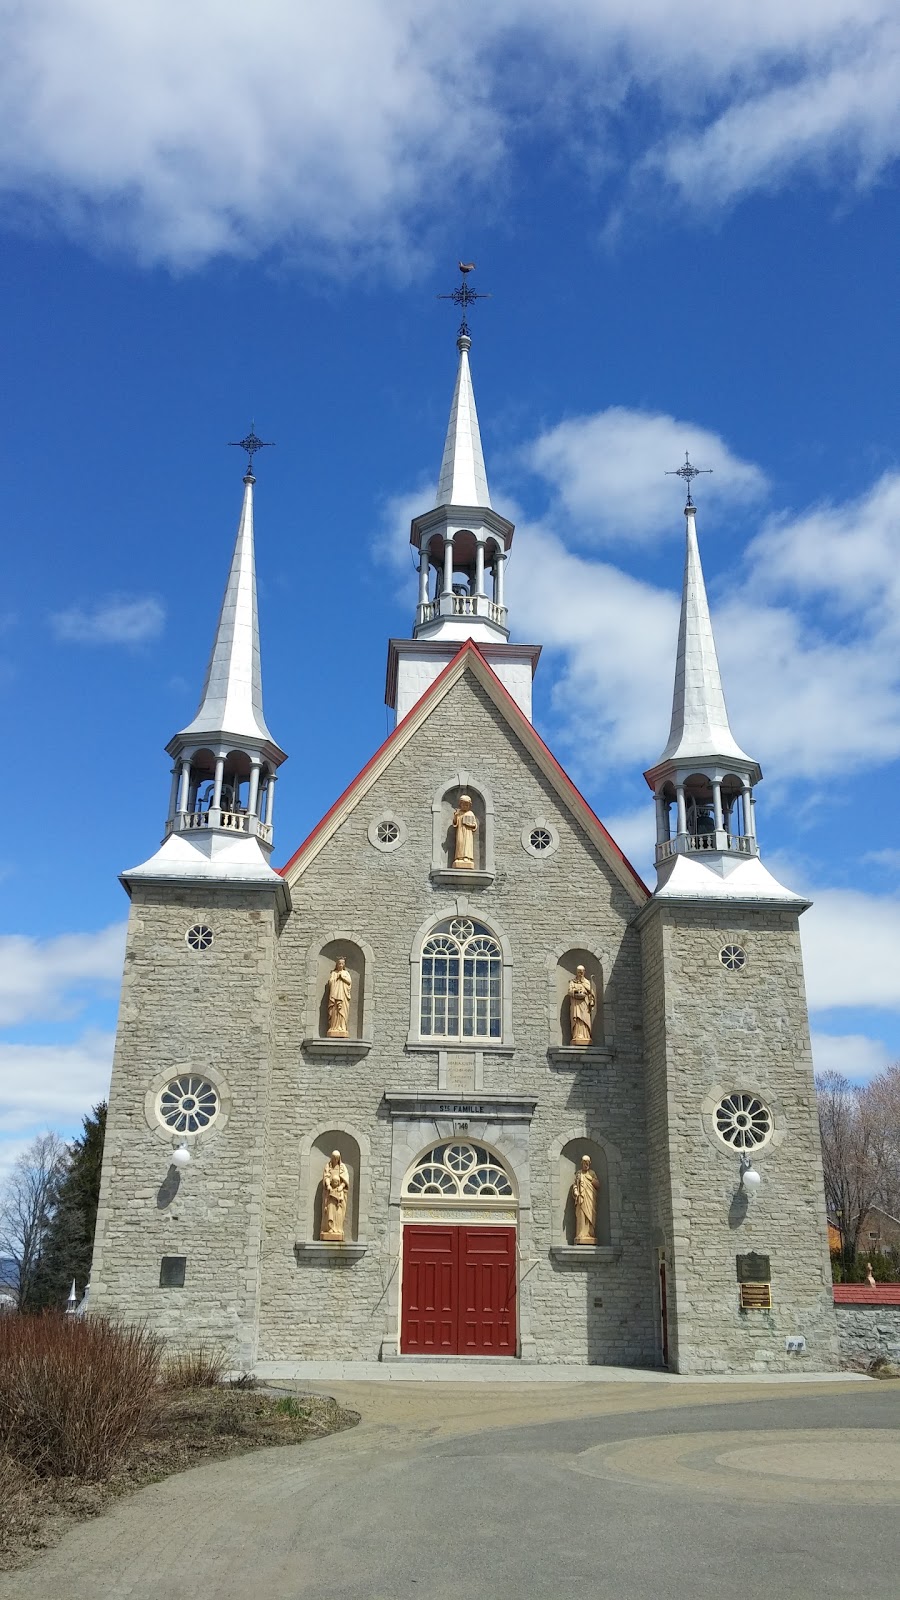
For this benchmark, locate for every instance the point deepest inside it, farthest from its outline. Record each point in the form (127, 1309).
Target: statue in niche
(584, 1192)
(335, 1194)
(340, 984)
(582, 1004)
(465, 823)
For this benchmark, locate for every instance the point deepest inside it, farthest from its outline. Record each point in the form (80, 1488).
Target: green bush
(885, 1267)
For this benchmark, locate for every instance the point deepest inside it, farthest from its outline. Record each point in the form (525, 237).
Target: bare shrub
(204, 1367)
(19, 1514)
(75, 1392)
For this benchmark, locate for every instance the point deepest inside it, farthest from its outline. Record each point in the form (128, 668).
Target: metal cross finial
(464, 297)
(251, 444)
(687, 472)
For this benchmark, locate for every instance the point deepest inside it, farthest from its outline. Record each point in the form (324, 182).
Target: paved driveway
(619, 1492)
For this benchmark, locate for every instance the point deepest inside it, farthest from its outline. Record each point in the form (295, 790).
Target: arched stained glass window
(461, 981)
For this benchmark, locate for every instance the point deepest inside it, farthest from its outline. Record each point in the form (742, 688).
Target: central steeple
(463, 479)
(463, 543)
(462, 546)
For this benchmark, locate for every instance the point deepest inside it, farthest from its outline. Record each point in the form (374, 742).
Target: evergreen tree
(69, 1238)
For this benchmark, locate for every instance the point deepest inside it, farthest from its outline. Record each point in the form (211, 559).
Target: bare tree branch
(26, 1204)
(856, 1154)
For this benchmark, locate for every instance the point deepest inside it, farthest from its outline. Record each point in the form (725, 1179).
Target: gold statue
(340, 984)
(466, 824)
(335, 1194)
(584, 1193)
(582, 1002)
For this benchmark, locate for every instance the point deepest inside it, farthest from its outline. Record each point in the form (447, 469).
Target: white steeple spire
(463, 480)
(231, 701)
(462, 546)
(700, 727)
(706, 846)
(222, 799)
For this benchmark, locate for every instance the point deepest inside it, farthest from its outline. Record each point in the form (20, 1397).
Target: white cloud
(180, 132)
(856, 1055)
(837, 116)
(118, 621)
(813, 702)
(889, 858)
(846, 555)
(608, 471)
(52, 978)
(806, 625)
(616, 636)
(53, 1085)
(635, 834)
(850, 944)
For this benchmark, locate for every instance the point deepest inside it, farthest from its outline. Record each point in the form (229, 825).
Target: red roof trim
(517, 714)
(863, 1294)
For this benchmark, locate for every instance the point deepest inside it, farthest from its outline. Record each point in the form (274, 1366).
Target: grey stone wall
(869, 1332)
(711, 1032)
(188, 1011)
(601, 1313)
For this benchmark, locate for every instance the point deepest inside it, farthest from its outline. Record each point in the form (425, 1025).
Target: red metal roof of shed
(862, 1294)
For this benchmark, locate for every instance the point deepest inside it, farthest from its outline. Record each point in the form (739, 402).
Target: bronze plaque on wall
(753, 1268)
(756, 1297)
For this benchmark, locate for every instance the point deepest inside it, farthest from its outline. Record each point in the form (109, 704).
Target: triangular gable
(470, 659)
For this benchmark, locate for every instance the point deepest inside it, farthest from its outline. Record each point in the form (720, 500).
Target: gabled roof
(470, 659)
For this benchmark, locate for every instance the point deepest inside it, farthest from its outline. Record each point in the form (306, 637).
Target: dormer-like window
(461, 982)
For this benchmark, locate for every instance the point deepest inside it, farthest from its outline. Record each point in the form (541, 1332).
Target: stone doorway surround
(500, 1121)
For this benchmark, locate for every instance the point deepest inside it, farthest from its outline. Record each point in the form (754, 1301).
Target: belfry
(452, 1082)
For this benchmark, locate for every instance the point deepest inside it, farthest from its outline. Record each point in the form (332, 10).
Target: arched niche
(354, 956)
(566, 967)
(320, 1150)
(443, 806)
(569, 1162)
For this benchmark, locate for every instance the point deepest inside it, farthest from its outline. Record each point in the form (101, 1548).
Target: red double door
(459, 1291)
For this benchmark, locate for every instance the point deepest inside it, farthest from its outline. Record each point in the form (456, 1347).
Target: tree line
(860, 1129)
(48, 1211)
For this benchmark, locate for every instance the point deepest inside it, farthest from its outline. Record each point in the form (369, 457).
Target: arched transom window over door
(458, 1172)
(462, 969)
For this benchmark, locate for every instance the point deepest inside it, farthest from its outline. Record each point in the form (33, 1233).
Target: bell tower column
(727, 1058)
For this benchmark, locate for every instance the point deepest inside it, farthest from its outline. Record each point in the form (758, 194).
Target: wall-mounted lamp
(750, 1178)
(181, 1157)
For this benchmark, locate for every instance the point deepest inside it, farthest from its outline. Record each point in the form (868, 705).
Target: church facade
(453, 1082)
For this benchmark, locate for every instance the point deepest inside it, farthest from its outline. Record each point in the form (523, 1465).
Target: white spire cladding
(706, 846)
(231, 701)
(463, 479)
(699, 719)
(222, 798)
(462, 546)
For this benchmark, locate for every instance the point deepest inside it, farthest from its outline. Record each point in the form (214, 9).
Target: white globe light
(751, 1179)
(181, 1157)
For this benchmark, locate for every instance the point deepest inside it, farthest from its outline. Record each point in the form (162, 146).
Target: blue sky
(688, 221)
